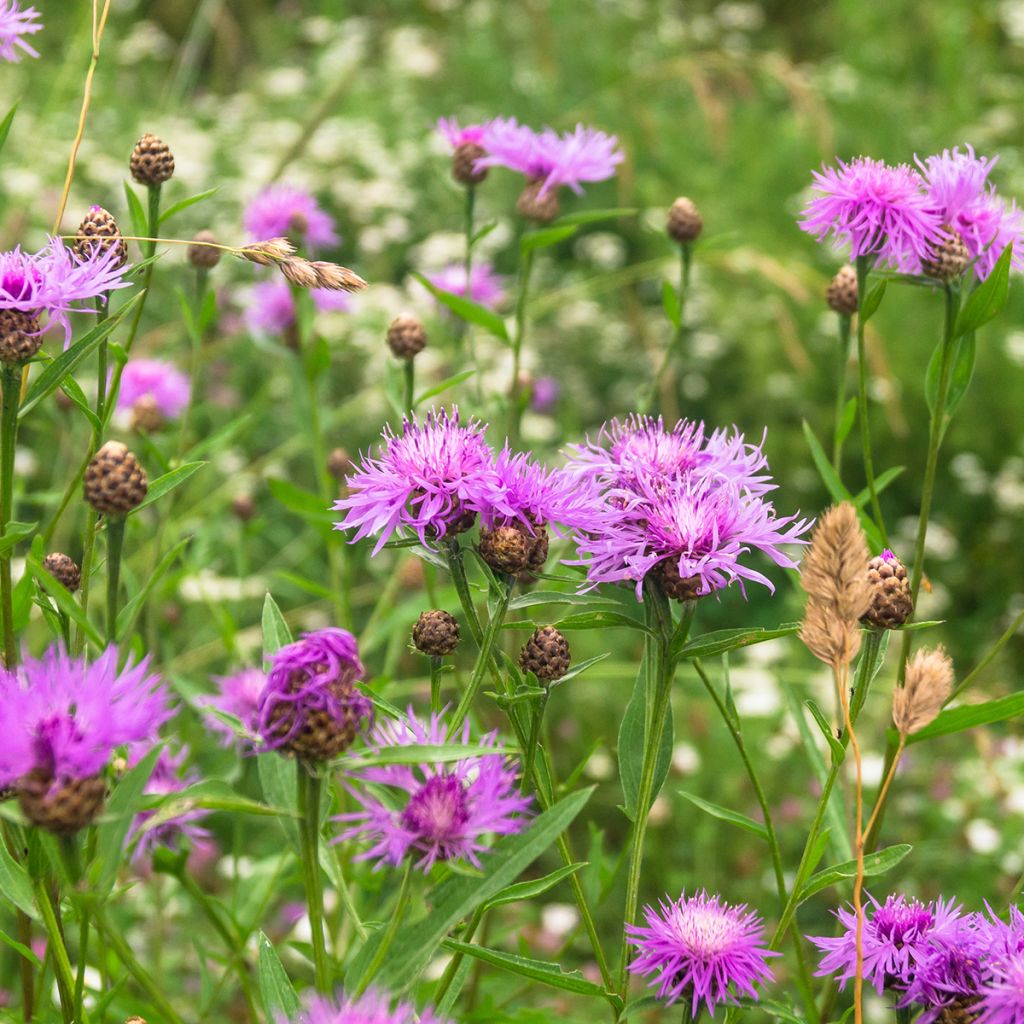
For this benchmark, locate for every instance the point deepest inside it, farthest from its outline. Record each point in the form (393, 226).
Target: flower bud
(201, 253)
(152, 162)
(406, 337)
(63, 569)
(545, 654)
(891, 601)
(684, 221)
(436, 633)
(540, 208)
(841, 294)
(114, 481)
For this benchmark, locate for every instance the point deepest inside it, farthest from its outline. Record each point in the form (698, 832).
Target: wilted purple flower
(1002, 1000)
(896, 939)
(310, 705)
(290, 212)
(15, 24)
(54, 279)
(370, 1008)
(443, 811)
(63, 718)
(701, 949)
(485, 287)
(876, 210)
(952, 966)
(155, 379)
(432, 479)
(238, 695)
(271, 306)
(554, 159)
(544, 395)
(167, 778)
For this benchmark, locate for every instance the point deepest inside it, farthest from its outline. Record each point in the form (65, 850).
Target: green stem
(10, 840)
(533, 740)
(409, 374)
(309, 811)
(676, 344)
(989, 655)
(902, 1015)
(843, 359)
(862, 398)
(515, 408)
(397, 915)
(115, 545)
(457, 568)
(58, 951)
(11, 377)
(453, 965)
(436, 665)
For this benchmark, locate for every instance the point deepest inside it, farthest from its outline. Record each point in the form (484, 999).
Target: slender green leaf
(720, 641)
(986, 301)
(970, 716)
(540, 597)
(302, 502)
(276, 991)
(15, 533)
(874, 864)
(861, 498)
(445, 385)
(594, 216)
(846, 420)
(467, 310)
(184, 204)
(415, 753)
(276, 633)
(872, 301)
(838, 750)
(5, 125)
(601, 620)
(580, 667)
(670, 303)
(961, 372)
(277, 781)
(527, 890)
(64, 600)
(543, 238)
(631, 744)
(166, 483)
(21, 950)
(126, 616)
(140, 222)
(15, 885)
(724, 814)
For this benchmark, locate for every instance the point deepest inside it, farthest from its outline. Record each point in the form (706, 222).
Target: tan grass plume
(929, 682)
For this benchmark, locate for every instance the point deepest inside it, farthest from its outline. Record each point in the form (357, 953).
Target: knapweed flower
(16, 23)
(64, 718)
(155, 381)
(875, 209)
(432, 479)
(1002, 1000)
(54, 280)
(310, 706)
(238, 695)
(437, 811)
(544, 395)
(284, 211)
(896, 938)
(270, 306)
(701, 949)
(485, 286)
(165, 827)
(952, 967)
(457, 135)
(370, 1008)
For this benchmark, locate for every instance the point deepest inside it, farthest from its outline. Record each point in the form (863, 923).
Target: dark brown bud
(841, 294)
(201, 253)
(146, 415)
(891, 603)
(99, 233)
(339, 464)
(684, 221)
(951, 258)
(674, 586)
(541, 209)
(20, 339)
(406, 337)
(505, 549)
(152, 162)
(436, 633)
(545, 654)
(62, 809)
(114, 481)
(463, 164)
(63, 569)
(243, 507)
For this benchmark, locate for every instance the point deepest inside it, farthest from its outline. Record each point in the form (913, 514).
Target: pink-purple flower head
(457, 135)
(54, 280)
(64, 717)
(877, 210)
(157, 380)
(270, 307)
(17, 22)
(370, 1008)
(310, 706)
(169, 776)
(485, 286)
(1002, 999)
(701, 949)
(896, 939)
(431, 479)
(285, 211)
(433, 811)
(238, 695)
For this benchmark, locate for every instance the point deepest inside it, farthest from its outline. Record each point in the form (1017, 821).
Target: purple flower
(15, 23)
(877, 210)
(238, 695)
(440, 811)
(554, 159)
(63, 718)
(310, 705)
(167, 778)
(54, 279)
(160, 381)
(1002, 1000)
(701, 949)
(290, 212)
(370, 1008)
(271, 306)
(544, 395)
(485, 287)
(896, 939)
(456, 135)
(432, 479)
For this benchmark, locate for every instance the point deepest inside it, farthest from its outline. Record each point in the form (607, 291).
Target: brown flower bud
(20, 338)
(504, 549)
(114, 481)
(63, 808)
(152, 162)
(666, 574)
(684, 221)
(891, 601)
(406, 337)
(464, 164)
(243, 507)
(99, 233)
(541, 209)
(339, 464)
(63, 569)
(951, 258)
(201, 253)
(841, 294)
(436, 633)
(146, 415)
(545, 654)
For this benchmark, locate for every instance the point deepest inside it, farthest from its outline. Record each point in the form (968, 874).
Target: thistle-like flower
(271, 306)
(238, 695)
(439, 811)
(701, 949)
(290, 212)
(1002, 999)
(370, 1008)
(16, 23)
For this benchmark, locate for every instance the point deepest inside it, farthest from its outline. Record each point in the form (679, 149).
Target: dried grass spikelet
(337, 278)
(929, 682)
(298, 272)
(834, 574)
(265, 253)
(280, 253)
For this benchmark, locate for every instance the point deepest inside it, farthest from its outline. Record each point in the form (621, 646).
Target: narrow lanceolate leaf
(724, 814)
(872, 301)
(874, 864)
(468, 310)
(459, 896)
(5, 125)
(126, 617)
(277, 780)
(15, 884)
(276, 990)
(527, 890)
(15, 533)
(276, 633)
(184, 204)
(546, 237)
(971, 716)
(631, 745)
(670, 303)
(986, 301)
(165, 484)
(722, 640)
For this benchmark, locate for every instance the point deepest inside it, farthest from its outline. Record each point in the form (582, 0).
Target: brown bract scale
(545, 654)
(152, 162)
(951, 258)
(63, 569)
(406, 337)
(114, 481)
(20, 339)
(541, 209)
(684, 223)
(841, 294)
(201, 253)
(98, 234)
(320, 736)
(463, 164)
(436, 633)
(505, 550)
(960, 1011)
(537, 544)
(674, 586)
(64, 809)
(891, 601)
